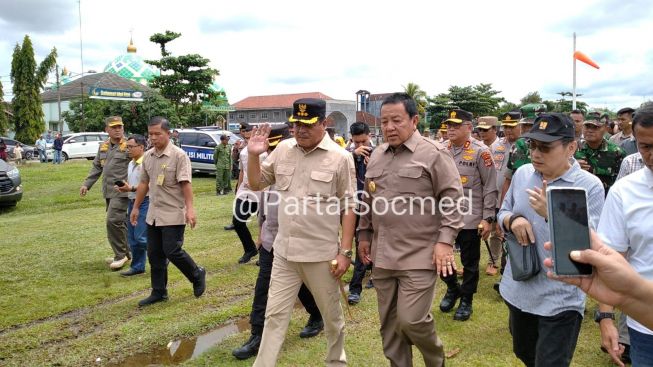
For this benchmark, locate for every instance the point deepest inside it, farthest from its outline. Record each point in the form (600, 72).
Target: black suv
(10, 189)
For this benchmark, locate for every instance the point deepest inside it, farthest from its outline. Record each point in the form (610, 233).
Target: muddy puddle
(182, 350)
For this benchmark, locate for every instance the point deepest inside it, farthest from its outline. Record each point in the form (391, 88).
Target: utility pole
(59, 125)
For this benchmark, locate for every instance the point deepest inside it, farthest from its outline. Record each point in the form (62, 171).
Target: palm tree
(416, 93)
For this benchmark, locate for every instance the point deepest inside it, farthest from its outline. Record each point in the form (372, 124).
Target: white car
(79, 145)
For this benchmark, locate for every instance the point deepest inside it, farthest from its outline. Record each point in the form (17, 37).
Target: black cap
(625, 110)
(510, 118)
(458, 116)
(278, 133)
(308, 110)
(549, 127)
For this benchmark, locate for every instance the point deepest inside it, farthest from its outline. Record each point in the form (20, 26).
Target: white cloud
(338, 47)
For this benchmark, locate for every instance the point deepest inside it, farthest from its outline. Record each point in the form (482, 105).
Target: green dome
(131, 66)
(221, 98)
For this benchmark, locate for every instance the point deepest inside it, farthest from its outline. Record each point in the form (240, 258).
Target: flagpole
(573, 101)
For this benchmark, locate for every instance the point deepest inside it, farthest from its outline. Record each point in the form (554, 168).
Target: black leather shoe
(152, 299)
(249, 349)
(229, 227)
(247, 256)
(131, 272)
(449, 300)
(312, 328)
(464, 311)
(199, 285)
(353, 298)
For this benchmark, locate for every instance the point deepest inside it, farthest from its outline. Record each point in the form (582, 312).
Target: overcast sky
(339, 47)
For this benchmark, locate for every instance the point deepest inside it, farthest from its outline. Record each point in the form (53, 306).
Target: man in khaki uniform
(315, 179)
(111, 163)
(411, 176)
(478, 177)
(166, 176)
(499, 147)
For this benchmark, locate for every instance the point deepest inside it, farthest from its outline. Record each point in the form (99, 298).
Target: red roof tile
(368, 118)
(275, 101)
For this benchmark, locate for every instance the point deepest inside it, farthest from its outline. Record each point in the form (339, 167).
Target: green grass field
(61, 306)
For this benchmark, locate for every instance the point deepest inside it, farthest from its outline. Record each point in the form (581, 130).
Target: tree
(531, 97)
(135, 115)
(185, 80)
(4, 122)
(416, 93)
(480, 100)
(28, 81)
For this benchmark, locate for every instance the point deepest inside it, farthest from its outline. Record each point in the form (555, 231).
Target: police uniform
(308, 237)
(604, 161)
(111, 162)
(500, 149)
(478, 177)
(222, 160)
(402, 243)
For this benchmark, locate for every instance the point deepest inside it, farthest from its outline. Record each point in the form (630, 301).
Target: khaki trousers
(286, 279)
(405, 298)
(117, 226)
(496, 247)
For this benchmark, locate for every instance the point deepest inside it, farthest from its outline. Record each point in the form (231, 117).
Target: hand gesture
(523, 231)
(258, 143)
(537, 200)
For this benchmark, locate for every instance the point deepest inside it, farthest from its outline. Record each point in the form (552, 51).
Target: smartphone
(120, 183)
(568, 225)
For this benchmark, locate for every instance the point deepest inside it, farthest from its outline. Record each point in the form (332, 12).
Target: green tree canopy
(185, 80)
(481, 100)
(416, 93)
(28, 81)
(135, 115)
(531, 97)
(4, 122)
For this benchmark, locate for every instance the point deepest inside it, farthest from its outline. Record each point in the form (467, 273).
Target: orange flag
(582, 57)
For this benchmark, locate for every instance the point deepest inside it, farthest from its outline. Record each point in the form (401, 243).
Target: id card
(159, 179)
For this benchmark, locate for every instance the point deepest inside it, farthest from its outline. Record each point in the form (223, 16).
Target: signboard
(116, 94)
(198, 154)
(222, 108)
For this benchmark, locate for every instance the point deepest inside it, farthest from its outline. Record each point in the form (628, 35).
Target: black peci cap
(308, 110)
(549, 127)
(458, 116)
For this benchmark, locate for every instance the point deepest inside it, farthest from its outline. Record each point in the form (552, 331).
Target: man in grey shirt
(545, 315)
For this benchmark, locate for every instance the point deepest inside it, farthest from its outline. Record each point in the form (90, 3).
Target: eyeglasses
(542, 147)
(132, 146)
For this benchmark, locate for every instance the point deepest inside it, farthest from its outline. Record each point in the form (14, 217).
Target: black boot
(247, 256)
(449, 299)
(199, 285)
(464, 310)
(249, 349)
(155, 297)
(312, 328)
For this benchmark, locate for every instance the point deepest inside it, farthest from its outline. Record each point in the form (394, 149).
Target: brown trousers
(405, 298)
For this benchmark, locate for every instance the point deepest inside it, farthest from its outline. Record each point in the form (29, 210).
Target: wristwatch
(598, 316)
(490, 220)
(346, 253)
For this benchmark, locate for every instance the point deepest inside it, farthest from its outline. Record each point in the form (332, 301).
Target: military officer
(111, 163)
(499, 147)
(519, 154)
(478, 177)
(408, 248)
(222, 160)
(598, 155)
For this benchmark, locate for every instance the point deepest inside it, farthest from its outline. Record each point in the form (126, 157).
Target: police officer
(499, 147)
(222, 160)
(111, 163)
(478, 177)
(598, 155)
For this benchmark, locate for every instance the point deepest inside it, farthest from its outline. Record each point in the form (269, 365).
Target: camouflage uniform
(222, 160)
(604, 161)
(519, 156)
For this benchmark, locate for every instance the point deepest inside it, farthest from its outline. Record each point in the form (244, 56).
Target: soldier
(174, 139)
(625, 120)
(499, 147)
(578, 117)
(597, 155)
(111, 163)
(519, 154)
(222, 160)
(478, 177)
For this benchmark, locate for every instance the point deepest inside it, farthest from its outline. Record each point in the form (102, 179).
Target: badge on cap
(372, 186)
(543, 124)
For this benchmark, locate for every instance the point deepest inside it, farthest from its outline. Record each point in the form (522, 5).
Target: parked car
(78, 145)
(11, 190)
(199, 144)
(28, 150)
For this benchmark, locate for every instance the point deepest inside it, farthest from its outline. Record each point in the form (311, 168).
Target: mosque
(127, 71)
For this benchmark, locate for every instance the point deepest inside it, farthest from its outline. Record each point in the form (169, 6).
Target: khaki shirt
(314, 188)
(167, 204)
(111, 163)
(419, 171)
(479, 177)
(500, 150)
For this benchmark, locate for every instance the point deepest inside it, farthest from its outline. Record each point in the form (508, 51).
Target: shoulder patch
(487, 159)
